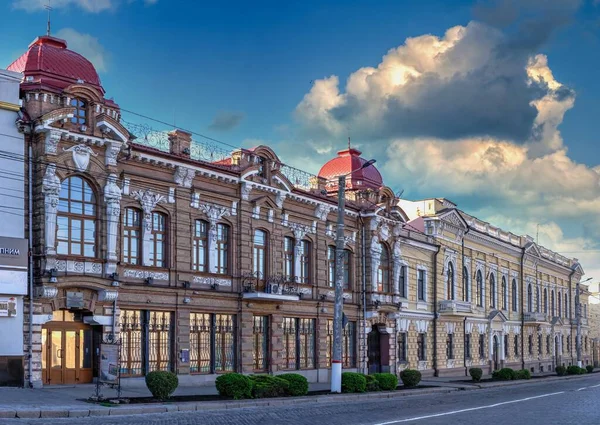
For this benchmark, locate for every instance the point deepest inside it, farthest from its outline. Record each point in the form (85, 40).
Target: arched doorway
(67, 350)
(378, 350)
(496, 353)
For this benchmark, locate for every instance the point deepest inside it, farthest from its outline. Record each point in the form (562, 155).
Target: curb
(527, 381)
(66, 412)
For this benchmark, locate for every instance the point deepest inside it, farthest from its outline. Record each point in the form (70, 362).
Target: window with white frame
(450, 281)
(421, 285)
(465, 279)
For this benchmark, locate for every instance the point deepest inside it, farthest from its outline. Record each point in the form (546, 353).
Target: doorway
(378, 350)
(67, 350)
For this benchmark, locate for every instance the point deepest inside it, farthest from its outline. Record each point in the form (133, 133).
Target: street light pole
(578, 319)
(336, 358)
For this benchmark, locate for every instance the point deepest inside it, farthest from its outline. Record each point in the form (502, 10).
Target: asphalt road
(563, 402)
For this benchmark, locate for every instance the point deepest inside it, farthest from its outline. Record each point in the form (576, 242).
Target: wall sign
(8, 307)
(13, 252)
(74, 299)
(109, 363)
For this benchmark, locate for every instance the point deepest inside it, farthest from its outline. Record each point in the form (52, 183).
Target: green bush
(575, 370)
(372, 383)
(353, 382)
(298, 384)
(387, 381)
(234, 385)
(266, 386)
(589, 368)
(161, 384)
(410, 377)
(561, 370)
(476, 373)
(522, 374)
(504, 374)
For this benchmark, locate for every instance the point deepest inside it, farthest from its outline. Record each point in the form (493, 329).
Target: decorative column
(299, 233)
(51, 190)
(112, 198)
(148, 200)
(375, 252)
(397, 256)
(214, 213)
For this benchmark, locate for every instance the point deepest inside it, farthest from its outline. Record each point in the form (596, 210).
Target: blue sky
(262, 73)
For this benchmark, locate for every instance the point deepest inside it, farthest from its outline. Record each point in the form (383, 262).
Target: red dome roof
(347, 161)
(49, 63)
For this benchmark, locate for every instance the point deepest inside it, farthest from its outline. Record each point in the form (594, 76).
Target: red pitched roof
(347, 161)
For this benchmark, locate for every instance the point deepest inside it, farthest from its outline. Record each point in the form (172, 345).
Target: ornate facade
(203, 261)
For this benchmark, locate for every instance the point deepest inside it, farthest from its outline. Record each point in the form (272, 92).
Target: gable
(452, 216)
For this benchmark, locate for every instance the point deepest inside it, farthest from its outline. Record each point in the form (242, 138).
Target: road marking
(585, 388)
(594, 386)
(581, 389)
(454, 412)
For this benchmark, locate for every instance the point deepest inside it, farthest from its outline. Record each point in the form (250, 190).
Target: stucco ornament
(51, 190)
(384, 232)
(112, 198)
(148, 200)
(184, 176)
(214, 213)
(81, 156)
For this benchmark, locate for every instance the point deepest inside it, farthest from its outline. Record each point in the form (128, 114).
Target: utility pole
(336, 358)
(578, 321)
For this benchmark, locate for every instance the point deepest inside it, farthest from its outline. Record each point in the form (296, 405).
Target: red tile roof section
(349, 160)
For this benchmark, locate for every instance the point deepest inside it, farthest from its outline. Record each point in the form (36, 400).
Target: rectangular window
(402, 347)
(222, 249)
(200, 244)
(468, 346)
(422, 347)
(260, 352)
(304, 253)
(540, 346)
(421, 284)
(516, 343)
(505, 346)
(259, 257)
(481, 346)
(402, 284)
(548, 350)
(212, 343)
(298, 343)
(131, 236)
(450, 346)
(147, 338)
(288, 258)
(158, 239)
(530, 343)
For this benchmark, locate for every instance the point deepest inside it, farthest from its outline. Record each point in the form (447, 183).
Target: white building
(13, 245)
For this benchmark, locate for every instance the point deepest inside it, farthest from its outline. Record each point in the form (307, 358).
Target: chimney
(180, 142)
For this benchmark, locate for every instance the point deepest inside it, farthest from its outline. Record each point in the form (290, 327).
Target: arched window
(537, 299)
(403, 281)
(479, 280)
(566, 305)
(514, 296)
(259, 254)
(466, 293)
(559, 305)
(288, 258)
(545, 301)
(222, 247)
(200, 246)
(552, 305)
(450, 281)
(383, 273)
(131, 235)
(76, 220)
(492, 291)
(504, 294)
(158, 240)
(529, 298)
(79, 115)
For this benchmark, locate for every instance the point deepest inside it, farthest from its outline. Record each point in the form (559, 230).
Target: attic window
(79, 116)
(29, 78)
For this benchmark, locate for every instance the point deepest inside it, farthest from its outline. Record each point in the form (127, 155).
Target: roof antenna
(48, 8)
(348, 142)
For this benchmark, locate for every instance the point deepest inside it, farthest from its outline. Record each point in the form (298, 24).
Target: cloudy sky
(492, 104)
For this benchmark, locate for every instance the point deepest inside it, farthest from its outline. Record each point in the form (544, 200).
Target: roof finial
(48, 8)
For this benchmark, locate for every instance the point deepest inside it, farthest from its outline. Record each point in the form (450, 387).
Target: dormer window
(79, 115)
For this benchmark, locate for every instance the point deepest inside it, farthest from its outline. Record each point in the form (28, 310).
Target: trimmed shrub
(353, 382)
(589, 368)
(522, 374)
(266, 386)
(234, 385)
(410, 377)
(575, 370)
(504, 374)
(476, 373)
(298, 384)
(162, 384)
(387, 381)
(561, 370)
(372, 383)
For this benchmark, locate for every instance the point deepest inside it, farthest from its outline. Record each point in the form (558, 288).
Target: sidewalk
(69, 401)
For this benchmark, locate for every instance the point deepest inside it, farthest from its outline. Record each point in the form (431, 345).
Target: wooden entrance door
(67, 353)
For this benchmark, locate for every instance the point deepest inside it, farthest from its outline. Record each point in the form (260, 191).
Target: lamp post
(336, 360)
(578, 318)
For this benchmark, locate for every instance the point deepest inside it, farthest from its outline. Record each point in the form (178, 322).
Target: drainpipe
(522, 309)
(30, 237)
(571, 311)
(435, 312)
(363, 256)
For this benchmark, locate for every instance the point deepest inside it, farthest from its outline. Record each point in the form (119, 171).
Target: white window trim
(425, 277)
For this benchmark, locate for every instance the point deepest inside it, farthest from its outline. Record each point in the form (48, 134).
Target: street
(558, 402)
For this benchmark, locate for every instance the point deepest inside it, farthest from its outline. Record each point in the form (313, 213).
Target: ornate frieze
(108, 295)
(80, 267)
(81, 156)
(205, 280)
(144, 274)
(184, 176)
(322, 211)
(45, 291)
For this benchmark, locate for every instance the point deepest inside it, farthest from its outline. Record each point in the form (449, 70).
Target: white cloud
(92, 6)
(86, 45)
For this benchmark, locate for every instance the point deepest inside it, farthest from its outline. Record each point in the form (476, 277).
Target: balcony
(535, 317)
(274, 288)
(455, 307)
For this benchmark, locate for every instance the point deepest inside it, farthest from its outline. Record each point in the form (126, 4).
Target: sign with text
(13, 252)
(109, 363)
(8, 307)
